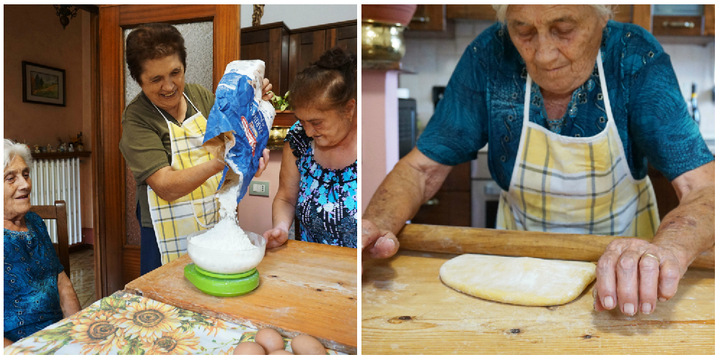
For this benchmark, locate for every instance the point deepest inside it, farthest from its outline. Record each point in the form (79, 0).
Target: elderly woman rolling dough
(38, 293)
(572, 106)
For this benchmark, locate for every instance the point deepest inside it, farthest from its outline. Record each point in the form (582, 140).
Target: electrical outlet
(259, 188)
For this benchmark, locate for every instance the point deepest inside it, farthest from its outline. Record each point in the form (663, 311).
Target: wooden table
(407, 310)
(305, 288)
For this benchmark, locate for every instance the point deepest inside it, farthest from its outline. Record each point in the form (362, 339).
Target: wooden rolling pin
(461, 240)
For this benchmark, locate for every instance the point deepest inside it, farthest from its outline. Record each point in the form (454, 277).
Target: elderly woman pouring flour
(163, 129)
(38, 293)
(572, 106)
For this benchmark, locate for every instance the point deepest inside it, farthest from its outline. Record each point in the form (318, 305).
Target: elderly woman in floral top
(318, 175)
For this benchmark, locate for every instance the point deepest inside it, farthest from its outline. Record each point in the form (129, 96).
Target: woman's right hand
(378, 243)
(275, 237)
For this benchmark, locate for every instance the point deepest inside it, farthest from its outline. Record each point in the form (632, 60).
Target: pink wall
(256, 211)
(34, 34)
(380, 144)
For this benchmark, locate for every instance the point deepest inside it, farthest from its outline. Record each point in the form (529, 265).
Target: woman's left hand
(628, 275)
(263, 162)
(267, 86)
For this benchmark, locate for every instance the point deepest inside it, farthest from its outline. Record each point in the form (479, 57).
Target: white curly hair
(600, 10)
(13, 149)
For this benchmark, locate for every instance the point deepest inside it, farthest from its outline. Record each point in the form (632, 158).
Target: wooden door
(117, 262)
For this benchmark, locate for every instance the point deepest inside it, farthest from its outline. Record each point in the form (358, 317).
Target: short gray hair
(600, 10)
(13, 149)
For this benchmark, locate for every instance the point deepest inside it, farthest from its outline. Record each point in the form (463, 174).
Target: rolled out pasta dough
(518, 280)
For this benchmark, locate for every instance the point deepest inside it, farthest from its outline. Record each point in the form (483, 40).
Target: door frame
(109, 167)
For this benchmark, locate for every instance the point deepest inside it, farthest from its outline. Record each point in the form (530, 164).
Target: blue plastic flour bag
(243, 117)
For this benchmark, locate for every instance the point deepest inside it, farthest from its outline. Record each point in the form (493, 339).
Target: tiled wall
(433, 61)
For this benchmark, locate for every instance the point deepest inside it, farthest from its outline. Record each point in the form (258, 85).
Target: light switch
(260, 188)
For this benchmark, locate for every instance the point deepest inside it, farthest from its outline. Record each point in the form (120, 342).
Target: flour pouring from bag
(239, 122)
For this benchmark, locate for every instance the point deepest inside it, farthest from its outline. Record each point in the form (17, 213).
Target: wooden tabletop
(406, 309)
(305, 288)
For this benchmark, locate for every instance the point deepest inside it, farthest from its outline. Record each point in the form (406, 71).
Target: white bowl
(227, 261)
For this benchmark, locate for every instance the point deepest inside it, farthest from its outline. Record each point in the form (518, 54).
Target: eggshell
(270, 339)
(307, 345)
(280, 352)
(249, 348)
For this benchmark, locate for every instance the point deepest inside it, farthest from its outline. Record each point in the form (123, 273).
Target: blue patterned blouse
(484, 100)
(327, 202)
(32, 301)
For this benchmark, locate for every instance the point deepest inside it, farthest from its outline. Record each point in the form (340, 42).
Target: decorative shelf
(62, 155)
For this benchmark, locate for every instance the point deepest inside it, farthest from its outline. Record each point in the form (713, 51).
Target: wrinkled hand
(263, 162)
(275, 237)
(378, 243)
(634, 281)
(266, 91)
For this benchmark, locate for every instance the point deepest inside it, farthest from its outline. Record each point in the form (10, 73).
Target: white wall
(433, 61)
(300, 16)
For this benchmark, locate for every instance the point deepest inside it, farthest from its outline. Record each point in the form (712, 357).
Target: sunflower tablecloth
(123, 323)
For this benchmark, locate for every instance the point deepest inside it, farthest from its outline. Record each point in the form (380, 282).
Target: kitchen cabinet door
(709, 20)
(308, 44)
(429, 17)
(268, 43)
(474, 12)
(452, 204)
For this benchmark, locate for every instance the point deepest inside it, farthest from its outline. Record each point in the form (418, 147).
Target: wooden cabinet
(308, 44)
(429, 17)
(665, 195)
(270, 44)
(452, 204)
(287, 52)
(700, 24)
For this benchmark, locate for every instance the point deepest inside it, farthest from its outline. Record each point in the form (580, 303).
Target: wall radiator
(58, 179)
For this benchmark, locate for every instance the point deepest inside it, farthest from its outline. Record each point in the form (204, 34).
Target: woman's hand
(263, 162)
(275, 237)
(628, 276)
(267, 87)
(378, 243)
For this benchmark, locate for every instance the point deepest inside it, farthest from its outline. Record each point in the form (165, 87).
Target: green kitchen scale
(222, 284)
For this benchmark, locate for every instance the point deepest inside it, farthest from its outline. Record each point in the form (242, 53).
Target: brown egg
(270, 339)
(307, 345)
(280, 352)
(249, 348)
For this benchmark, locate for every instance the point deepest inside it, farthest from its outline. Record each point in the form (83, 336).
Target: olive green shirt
(145, 141)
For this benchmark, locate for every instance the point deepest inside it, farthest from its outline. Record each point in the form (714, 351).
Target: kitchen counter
(408, 310)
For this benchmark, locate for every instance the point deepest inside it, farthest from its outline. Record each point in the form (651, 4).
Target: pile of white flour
(237, 253)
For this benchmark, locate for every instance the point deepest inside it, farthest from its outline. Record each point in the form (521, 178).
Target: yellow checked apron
(173, 221)
(576, 185)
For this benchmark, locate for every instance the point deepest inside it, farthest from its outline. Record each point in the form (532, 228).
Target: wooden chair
(59, 213)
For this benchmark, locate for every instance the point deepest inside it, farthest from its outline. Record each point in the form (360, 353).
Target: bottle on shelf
(694, 104)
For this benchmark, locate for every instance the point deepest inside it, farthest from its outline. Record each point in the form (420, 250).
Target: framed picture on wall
(43, 84)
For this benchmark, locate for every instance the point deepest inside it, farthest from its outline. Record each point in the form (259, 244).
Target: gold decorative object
(258, 11)
(277, 137)
(382, 42)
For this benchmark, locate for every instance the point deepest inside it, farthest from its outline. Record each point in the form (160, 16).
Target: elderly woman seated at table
(572, 106)
(38, 293)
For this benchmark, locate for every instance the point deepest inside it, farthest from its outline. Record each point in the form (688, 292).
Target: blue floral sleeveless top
(32, 301)
(327, 201)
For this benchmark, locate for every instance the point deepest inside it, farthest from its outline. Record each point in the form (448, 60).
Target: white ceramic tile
(446, 47)
(464, 28)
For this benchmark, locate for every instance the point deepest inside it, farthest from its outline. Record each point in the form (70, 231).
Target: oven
(484, 192)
